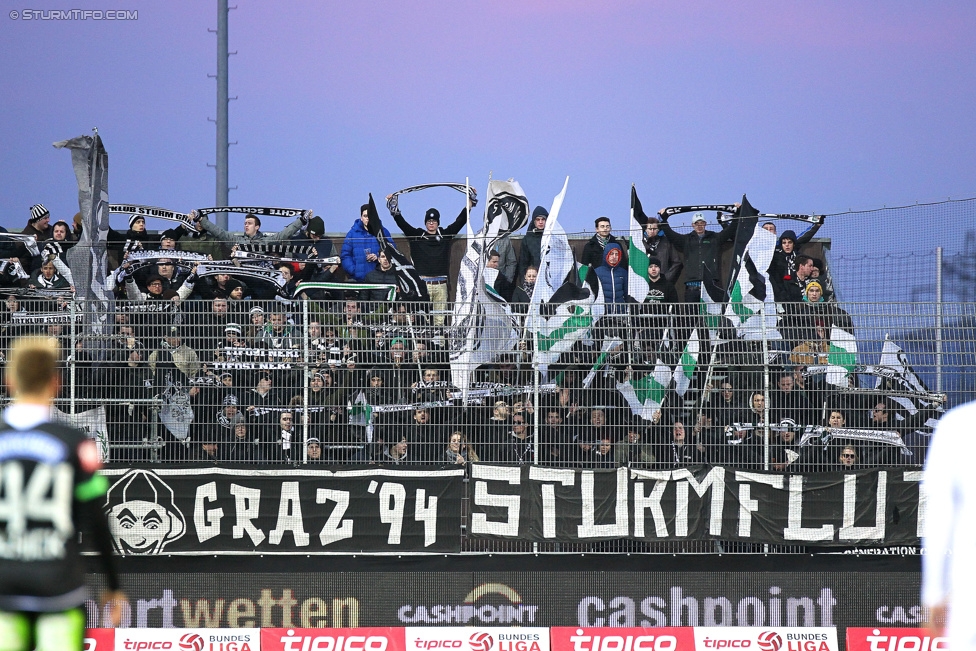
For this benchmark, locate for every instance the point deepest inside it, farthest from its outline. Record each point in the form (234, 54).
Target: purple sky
(812, 106)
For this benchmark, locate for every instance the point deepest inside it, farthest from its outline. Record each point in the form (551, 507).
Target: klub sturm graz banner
(211, 510)
(867, 508)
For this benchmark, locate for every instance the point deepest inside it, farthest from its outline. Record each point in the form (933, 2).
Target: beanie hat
(232, 327)
(432, 213)
(788, 235)
(811, 284)
(656, 261)
(315, 226)
(540, 211)
(38, 212)
(134, 218)
(230, 399)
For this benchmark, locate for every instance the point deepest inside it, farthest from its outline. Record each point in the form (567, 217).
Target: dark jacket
(660, 293)
(681, 456)
(782, 276)
(41, 236)
(377, 275)
(530, 253)
(701, 253)
(431, 254)
(324, 248)
(593, 251)
(660, 248)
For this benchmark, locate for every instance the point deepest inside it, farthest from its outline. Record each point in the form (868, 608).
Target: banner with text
(233, 511)
(890, 639)
(319, 593)
(868, 508)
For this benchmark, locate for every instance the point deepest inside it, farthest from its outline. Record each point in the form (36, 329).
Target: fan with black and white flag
(481, 321)
(412, 287)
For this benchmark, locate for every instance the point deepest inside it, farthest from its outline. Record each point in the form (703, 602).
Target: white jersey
(949, 563)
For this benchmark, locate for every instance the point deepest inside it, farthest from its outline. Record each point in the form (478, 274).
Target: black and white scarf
(463, 188)
(158, 213)
(267, 275)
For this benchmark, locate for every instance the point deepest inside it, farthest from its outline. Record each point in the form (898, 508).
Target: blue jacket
(354, 248)
(613, 279)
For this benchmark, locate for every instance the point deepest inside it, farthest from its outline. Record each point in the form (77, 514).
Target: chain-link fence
(349, 382)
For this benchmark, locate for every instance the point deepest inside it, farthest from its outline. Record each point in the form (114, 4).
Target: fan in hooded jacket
(360, 250)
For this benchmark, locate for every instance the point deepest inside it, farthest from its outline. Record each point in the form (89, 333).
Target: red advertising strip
(100, 639)
(332, 639)
(894, 639)
(572, 638)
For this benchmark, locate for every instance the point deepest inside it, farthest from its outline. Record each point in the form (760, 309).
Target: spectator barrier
(352, 382)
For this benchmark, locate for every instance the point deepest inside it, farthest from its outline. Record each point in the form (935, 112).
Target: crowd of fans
(245, 366)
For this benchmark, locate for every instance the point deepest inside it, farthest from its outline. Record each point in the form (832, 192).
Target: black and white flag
(482, 323)
(904, 379)
(412, 286)
(88, 259)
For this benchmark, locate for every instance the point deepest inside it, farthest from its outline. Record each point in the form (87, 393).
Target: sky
(819, 106)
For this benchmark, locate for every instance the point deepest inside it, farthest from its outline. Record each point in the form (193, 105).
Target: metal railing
(346, 382)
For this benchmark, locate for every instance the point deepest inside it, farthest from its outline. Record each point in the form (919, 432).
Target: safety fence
(818, 387)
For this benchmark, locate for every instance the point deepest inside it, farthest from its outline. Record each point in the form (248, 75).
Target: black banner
(211, 510)
(868, 508)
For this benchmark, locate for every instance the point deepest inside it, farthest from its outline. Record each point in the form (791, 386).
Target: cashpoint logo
(474, 610)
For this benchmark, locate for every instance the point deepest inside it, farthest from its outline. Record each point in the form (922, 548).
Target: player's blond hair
(33, 363)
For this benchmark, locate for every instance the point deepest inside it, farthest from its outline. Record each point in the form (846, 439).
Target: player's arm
(89, 496)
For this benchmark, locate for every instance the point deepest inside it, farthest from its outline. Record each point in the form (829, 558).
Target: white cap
(698, 218)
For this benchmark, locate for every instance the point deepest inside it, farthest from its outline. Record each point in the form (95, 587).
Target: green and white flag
(646, 395)
(360, 411)
(711, 309)
(608, 347)
(751, 298)
(637, 256)
(685, 370)
(562, 310)
(842, 356)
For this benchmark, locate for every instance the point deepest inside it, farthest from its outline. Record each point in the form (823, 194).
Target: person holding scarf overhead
(430, 251)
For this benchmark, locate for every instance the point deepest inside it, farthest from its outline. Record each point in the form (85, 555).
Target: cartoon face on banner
(142, 514)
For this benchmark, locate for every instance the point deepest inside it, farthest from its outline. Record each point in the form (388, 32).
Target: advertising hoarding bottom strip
(474, 638)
